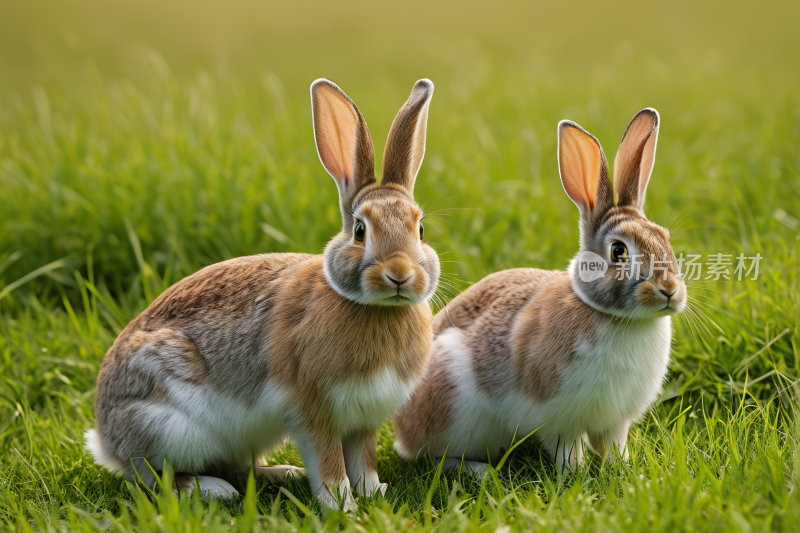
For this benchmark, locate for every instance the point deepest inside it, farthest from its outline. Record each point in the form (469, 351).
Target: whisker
(684, 216)
(447, 312)
(699, 316)
(676, 210)
(697, 287)
(701, 226)
(455, 208)
(437, 302)
(705, 315)
(441, 303)
(673, 233)
(446, 291)
(449, 274)
(707, 297)
(455, 283)
(452, 288)
(678, 226)
(689, 328)
(442, 201)
(691, 298)
(438, 293)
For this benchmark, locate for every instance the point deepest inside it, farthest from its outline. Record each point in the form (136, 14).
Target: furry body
(589, 391)
(208, 413)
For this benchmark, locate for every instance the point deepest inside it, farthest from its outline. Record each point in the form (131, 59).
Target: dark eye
(359, 231)
(619, 252)
(421, 231)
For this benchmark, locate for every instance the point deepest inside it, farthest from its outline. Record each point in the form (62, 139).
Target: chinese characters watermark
(691, 267)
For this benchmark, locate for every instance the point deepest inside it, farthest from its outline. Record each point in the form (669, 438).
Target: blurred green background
(191, 120)
(141, 141)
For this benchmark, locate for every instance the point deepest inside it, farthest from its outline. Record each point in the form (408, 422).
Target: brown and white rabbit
(581, 357)
(231, 360)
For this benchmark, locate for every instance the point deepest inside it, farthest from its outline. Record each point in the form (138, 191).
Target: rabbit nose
(669, 285)
(666, 292)
(398, 270)
(397, 282)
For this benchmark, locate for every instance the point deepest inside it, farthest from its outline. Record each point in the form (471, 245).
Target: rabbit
(322, 349)
(573, 356)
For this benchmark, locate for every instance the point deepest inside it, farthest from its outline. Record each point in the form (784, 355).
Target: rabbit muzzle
(398, 280)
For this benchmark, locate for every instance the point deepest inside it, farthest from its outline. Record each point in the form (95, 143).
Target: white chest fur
(615, 379)
(367, 403)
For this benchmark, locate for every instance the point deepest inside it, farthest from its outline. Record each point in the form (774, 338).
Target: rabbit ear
(634, 162)
(405, 147)
(343, 141)
(583, 168)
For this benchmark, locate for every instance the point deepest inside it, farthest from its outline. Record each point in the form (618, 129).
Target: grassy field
(142, 141)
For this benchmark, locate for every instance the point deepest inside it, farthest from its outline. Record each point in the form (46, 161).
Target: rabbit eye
(421, 231)
(619, 252)
(359, 231)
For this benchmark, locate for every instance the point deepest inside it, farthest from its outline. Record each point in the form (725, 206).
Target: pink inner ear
(579, 163)
(646, 166)
(335, 127)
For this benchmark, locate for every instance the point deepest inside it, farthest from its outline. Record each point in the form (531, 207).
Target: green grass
(123, 169)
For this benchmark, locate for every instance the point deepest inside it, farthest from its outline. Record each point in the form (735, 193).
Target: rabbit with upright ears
(228, 362)
(579, 354)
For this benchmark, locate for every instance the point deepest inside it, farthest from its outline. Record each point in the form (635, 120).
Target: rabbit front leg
(360, 460)
(325, 469)
(603, 443)
(566, 452)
